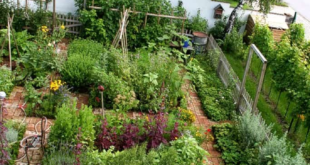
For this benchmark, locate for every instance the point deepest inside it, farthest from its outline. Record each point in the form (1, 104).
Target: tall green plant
(68, 122)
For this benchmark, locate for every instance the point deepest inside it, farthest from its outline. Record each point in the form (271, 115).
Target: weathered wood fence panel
(227, 74)
(72, 23)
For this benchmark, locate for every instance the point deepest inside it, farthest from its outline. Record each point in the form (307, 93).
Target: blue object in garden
(186, 44)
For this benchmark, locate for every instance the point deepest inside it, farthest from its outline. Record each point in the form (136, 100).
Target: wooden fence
(227, 74)
(72, 23)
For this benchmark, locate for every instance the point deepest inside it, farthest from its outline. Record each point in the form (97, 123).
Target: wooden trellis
(159, 15)
(121, 35)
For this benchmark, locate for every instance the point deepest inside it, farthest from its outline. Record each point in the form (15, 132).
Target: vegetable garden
(77, 99)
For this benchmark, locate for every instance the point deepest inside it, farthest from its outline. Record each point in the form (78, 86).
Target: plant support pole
(102, 105)
(9, 37)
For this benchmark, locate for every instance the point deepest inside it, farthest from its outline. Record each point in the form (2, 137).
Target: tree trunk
(307, 135)
(270, 89)
(278, 100)
(296, 125)
(232, 17)
(289, 128)
(287, 108)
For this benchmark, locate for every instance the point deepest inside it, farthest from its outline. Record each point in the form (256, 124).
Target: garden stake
(102, 103)
(9, 36)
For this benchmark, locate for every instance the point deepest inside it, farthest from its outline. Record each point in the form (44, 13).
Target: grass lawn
(233, 3)
(267, 105)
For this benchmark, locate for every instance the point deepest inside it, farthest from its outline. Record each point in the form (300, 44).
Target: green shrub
(88, 48)
(234, 152)
(233, 43)
(189, 151)
(263, 39)
(277, 151)
(68, 122)
(60, 154)
(197, 23)
(6, 80)
(252, 128)
(78, 71)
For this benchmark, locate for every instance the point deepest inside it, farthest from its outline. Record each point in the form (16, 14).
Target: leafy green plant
(233, 43)
(94, 26)
(78, 71)
(67, 124)
(262, 37)
(6, 80)
(197, 23)
(189, 151)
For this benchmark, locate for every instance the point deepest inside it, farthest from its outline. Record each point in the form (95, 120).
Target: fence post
(244, 78)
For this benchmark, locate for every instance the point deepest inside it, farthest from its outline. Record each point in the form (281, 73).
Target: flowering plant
(187, 115)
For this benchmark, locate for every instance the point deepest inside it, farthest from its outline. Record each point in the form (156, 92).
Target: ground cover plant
(216, 99)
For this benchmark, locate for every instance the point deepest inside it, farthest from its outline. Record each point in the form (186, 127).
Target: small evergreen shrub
(78, 71)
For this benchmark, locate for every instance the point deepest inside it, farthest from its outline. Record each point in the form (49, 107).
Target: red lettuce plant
(4, 155)
(153, 131)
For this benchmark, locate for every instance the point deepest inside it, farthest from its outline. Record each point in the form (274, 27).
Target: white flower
(49, 44)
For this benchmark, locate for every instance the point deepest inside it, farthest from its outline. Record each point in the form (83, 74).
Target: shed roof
(219, 6)
(273, 21)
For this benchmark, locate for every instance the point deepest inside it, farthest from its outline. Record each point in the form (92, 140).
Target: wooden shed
(276, 23)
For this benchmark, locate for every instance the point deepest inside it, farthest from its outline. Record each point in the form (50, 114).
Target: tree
(264, 6)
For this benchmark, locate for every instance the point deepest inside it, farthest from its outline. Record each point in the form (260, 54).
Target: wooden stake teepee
(121, 35)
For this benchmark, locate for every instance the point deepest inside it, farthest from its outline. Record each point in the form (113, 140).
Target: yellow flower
(62, 27)
(55, 85)
(176, 138)
(147, 118)
(302, 117)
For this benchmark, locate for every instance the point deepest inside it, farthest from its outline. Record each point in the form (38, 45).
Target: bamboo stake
(158, 19)
(183, 23)
(84, 4)
(9, 37)
(171, 15)
(26, 6)
(15, 41)
(145, 19)
(54, 14)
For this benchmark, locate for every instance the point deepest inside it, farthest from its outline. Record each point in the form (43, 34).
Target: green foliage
(197, 23)
(78, 71)
(178, 153)
(216, 99)
(87, 47)
(94, 26)
(104, 22)
(189, 151)
(276, 150)
(296, 34)
(68, 122)
(233, 43)
(233, 150)
(6, 80)
(218, 30)
(252, 128)
(14, 146)
(263, 39)
(60, 154)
